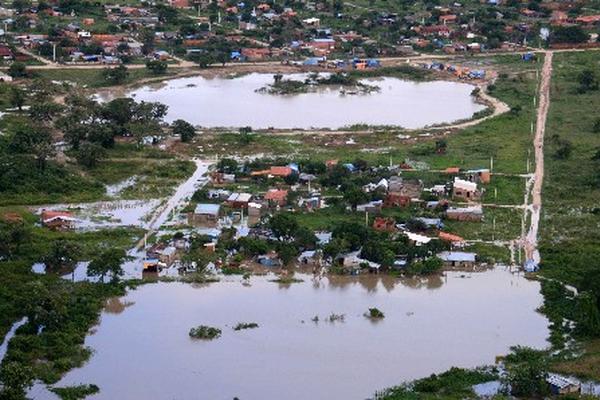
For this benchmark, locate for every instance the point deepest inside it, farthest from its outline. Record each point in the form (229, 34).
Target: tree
(116, 75)
(33, 140)
(569, 34)
(17, 97)
(441, 146)
(284, 226)
(108, 263)
(526, 372)
(44, 111)
(184, 130)
(89, 154)
(16, 379)
(596, 126)
(12, 236)
(287, 253)
(227, 166)
(21, 5)
(17, 70)
(587, 81)
(354, 196)
(157, 67)
(564, 150)
(61, 255)
(587, 315)
(147, 39)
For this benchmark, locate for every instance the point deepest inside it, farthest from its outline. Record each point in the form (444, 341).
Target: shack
(57, 220)
(239, 200)
(562, 385)
(458, 258)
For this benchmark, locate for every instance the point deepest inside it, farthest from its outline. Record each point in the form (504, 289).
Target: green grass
(92, 78)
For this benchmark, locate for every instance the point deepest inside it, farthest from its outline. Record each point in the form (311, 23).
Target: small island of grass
(375, 313)
(205, 332)
(245, 325)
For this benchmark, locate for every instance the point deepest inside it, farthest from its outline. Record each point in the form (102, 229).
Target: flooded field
(142, 348)
(226, 102)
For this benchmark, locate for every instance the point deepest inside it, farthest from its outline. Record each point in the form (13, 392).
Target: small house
(482, 176)
(465, 190)
(205, 213)
(255, 209)
(384, 224)
(473, 213)
(395, 199)
(277, 172)
(239, 200)
(373, 207)
(562, 385)
(309, 257)
(450, 238)
(271, 259)
(458, 258)
(276, 197)
(57, 220)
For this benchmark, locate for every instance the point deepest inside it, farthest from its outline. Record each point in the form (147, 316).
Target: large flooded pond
(234, 102)
(143, 351)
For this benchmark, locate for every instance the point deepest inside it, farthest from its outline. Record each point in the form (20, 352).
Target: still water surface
(225, 102)
(143, 351)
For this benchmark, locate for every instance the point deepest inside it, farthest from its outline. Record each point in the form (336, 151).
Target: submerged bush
(205, 332)
(75, 392)
(245, 325)
(374, 313)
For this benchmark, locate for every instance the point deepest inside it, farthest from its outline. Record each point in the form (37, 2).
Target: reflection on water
(429, 326)
(223, 102)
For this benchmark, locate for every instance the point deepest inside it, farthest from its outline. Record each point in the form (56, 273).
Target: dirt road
(530, 244)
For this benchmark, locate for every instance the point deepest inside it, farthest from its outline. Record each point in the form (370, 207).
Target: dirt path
(530, 244)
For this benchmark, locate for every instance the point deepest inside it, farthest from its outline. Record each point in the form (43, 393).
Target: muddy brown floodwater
(227, 102)
(142, 350)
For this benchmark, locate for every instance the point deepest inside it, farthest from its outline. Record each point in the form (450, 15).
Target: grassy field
(92, 78)
(571, 192)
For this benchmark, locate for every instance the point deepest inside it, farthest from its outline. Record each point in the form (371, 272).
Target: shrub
(245, 325)
(374, 313)
(205, 332)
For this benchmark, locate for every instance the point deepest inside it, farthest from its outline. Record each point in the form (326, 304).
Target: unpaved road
(530, 244)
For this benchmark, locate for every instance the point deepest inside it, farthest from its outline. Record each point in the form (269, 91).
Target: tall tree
(109, 262)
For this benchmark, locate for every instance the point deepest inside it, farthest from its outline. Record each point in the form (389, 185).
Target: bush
(374, 313)
(205, 332)
(245, 325)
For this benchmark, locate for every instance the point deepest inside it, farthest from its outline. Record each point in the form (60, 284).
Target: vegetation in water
(205, 332)
(374, 313)
(75, 392)
(314, 80)
(245, 325)
(454, 384)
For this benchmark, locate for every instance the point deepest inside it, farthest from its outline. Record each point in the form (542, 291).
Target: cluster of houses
(459, 199)
(450, 28)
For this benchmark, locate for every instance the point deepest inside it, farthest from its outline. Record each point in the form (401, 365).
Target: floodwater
(143, 351)
(234, 102)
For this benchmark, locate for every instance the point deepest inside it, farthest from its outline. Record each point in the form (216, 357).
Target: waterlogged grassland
(92, 78)
(506, 139)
